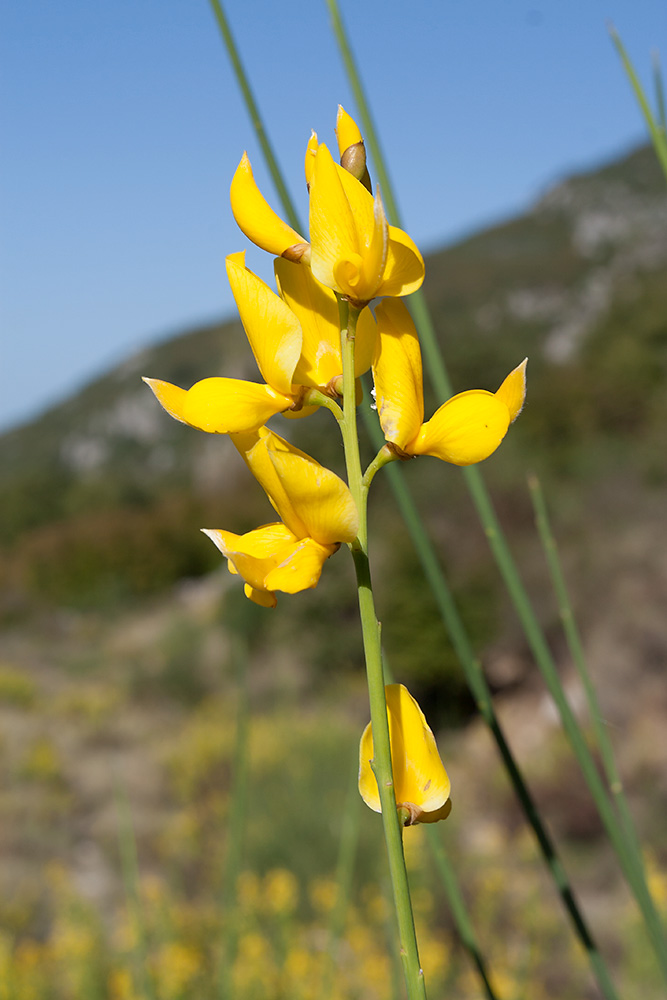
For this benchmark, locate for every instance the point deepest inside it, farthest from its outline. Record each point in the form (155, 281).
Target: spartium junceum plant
(312, 341)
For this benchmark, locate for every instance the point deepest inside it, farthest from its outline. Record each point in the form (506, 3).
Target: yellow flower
(317, 511)
(421, 784)
(296, 343)
(353, 250)
(464, 430)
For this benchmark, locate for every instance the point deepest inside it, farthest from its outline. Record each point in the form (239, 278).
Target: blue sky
(122, 127)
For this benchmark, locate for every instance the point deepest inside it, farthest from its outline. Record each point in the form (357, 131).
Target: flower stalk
(370, 627)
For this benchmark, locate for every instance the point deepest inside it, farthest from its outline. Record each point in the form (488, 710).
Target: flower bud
(351, 147)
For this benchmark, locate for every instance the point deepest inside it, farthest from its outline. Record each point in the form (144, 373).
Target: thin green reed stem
(458, 907)
(347, 853)
(436, 370)
(130, 867)
(381, 763)
(253, 111)
(578, 658)
(658, 136)
(236, 820)
(659, 87)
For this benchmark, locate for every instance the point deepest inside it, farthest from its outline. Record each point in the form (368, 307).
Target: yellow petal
(316, 308)
(311, 500)
(333, 232)
(309, 161)
(360, 274)
(466, 429)
(366, 342)
(171, 397)
(375, 258)
(301, 568)
(273, 331)
(397, 371)
(270, 558)
(255, 554)
(264, 598)
(253, 447)
(318, 497)
(404, 269)
(513, 390)
(254, 215)
(420, 778)
(347, 130)
(220, 405)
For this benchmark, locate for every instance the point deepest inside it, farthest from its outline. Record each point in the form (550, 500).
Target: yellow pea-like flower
(464, 430)
(421, 783)
(317, 514)
(354, 250)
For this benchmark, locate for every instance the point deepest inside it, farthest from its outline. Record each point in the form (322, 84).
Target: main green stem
(381, 763)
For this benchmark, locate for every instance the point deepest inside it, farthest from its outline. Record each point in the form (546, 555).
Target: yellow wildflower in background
(421, 783)
(464, 430)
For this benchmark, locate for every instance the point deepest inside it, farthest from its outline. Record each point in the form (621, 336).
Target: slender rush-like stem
(659, 87)
(437, 373)
(253, 111)
(347, 852)
(236, 823)
(658, 136)
(381, 763)
(578, 658)
(459, 911)
(130, 866)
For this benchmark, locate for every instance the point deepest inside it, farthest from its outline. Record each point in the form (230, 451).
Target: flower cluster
(353, 255)
(311, 339)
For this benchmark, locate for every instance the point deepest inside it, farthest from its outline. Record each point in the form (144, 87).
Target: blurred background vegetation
(116, 670)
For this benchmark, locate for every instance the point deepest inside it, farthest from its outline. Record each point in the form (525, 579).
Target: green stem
(347, 851)
(577, 652)
(436, 370)
(236, 819)
(130, 867)
(658, 136)
(659, 91)
(381, 763)
(313, 397)
(255, 116)
(459, 911)
(383, 457)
